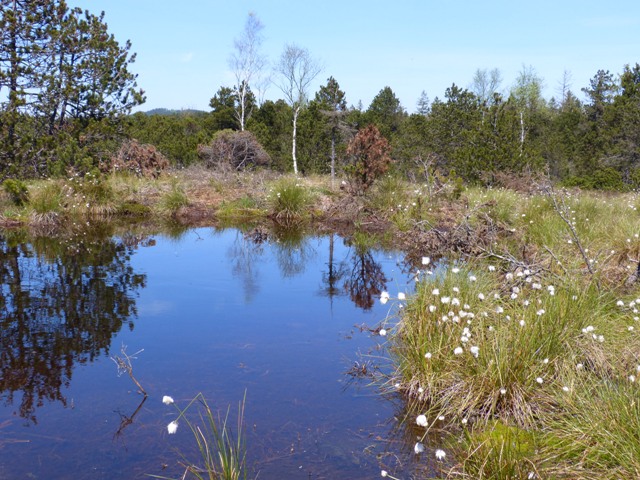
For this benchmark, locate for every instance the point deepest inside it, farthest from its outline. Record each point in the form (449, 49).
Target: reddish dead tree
(370, 153)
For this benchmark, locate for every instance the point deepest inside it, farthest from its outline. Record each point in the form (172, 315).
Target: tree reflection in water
(365, 280)
(61, 302)
(292, 250)
(245, 253)
(334, 274)
(358, 275)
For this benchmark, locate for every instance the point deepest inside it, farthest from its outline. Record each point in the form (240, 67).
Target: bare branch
(247, 64)
(125, 366)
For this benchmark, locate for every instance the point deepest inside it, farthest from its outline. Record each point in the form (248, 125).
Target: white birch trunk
(296, 111)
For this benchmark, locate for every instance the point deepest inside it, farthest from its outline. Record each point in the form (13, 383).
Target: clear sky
(409, 45)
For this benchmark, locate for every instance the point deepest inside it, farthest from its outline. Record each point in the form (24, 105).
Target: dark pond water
(213, 311)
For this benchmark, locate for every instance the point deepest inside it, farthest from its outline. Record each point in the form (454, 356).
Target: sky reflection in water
(217, 313)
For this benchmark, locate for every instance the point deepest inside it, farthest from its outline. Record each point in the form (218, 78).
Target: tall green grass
(474, 346)
(222, 450)
(174, 199)
(289, 201)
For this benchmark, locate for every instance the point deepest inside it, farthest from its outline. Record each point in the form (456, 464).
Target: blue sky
(410, 45)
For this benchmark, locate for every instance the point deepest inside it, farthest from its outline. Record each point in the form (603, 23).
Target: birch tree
(247, 64)
(486, 84)
(295, 71)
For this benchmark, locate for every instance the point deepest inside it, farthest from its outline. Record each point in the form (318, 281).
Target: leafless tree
(486, 83)
(564, 87)
(295, 72)
(247, 64)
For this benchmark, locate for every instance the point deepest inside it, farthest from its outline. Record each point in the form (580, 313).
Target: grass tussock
(175, 199)
(289, 201)
(479, 349)
(221, 444)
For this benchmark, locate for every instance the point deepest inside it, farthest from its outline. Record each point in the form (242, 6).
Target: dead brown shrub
(236, 150)
(142, 160)
(370, 153)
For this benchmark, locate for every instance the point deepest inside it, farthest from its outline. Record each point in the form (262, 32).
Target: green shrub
(17, 190)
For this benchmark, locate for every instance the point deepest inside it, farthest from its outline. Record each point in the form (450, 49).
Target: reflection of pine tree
(366, 281)
(334, 274)
(60, 305)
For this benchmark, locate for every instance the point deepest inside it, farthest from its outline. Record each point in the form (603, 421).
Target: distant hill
(166, 111)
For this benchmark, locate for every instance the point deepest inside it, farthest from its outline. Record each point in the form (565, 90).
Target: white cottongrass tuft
(167, 400)
(540, 380)
(401, 296)
(384, 297)
(172, 427)
(427, 355)
(440, 454)
(383, 473)
(481, 296)
(455, 269)
(382, 332)
(418, 448)
(432, 308)
(435, 291)
(458, 351)
(421, 420)
(475, 351)
(426, 260)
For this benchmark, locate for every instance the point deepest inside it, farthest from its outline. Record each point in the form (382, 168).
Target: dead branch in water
(125, 366)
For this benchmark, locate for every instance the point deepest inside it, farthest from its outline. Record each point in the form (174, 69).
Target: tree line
(67, 93)
(475, 133)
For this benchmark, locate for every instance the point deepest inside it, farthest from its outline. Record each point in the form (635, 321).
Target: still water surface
(213, 311)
